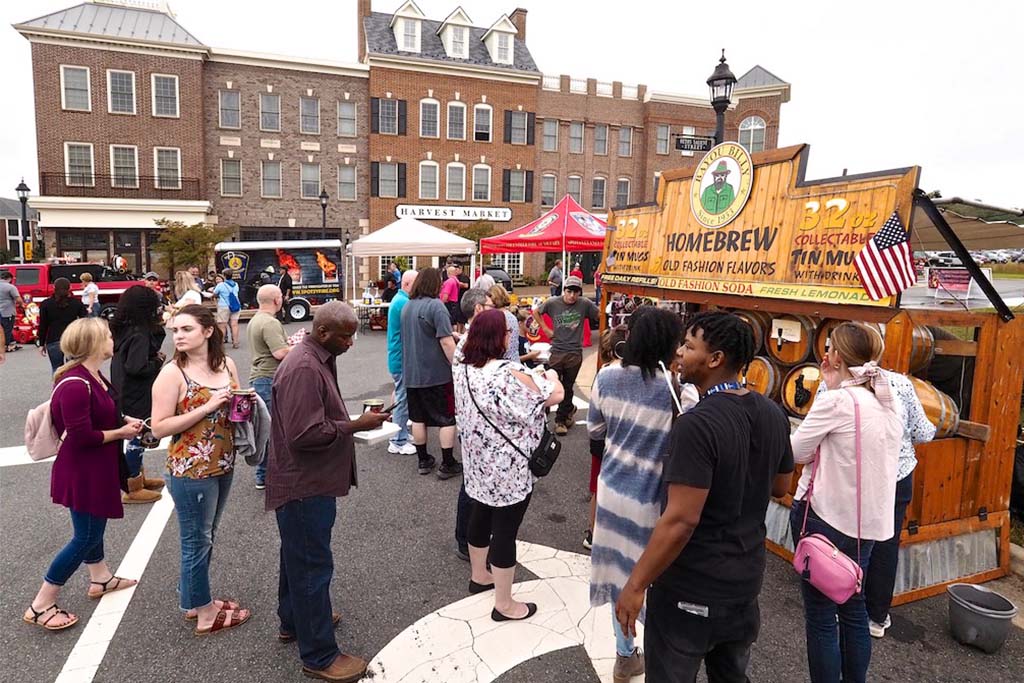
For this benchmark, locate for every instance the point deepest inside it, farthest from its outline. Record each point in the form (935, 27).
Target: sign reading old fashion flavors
(732, 226)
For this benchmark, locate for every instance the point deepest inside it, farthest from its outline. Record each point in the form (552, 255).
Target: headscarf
(871, 375)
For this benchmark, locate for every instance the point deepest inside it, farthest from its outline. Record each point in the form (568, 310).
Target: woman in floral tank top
(191, 398)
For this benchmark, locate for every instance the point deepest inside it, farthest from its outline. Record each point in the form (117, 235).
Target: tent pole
(472, 269)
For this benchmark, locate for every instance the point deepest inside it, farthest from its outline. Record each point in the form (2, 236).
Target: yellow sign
(721, 185)
(794, 239)
(28, 251)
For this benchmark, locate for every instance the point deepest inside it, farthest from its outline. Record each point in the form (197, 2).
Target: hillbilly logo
(539, 228)
(721, 185)
(588, 223)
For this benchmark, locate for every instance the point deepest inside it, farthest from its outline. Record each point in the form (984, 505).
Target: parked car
(944, 259)
(35, 280)
(500, 276)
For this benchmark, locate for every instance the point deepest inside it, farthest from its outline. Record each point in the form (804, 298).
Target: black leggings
(497, 527)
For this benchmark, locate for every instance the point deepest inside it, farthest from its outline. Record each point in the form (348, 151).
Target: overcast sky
(875, 85)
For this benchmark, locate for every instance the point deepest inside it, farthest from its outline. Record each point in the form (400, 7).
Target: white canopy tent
(410, 237)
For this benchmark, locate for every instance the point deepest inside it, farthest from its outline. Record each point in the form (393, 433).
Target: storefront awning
(989, 228)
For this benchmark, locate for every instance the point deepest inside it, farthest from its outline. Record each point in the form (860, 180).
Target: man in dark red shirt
(311, 463)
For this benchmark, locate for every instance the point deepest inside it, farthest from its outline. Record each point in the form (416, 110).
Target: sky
(875, 85)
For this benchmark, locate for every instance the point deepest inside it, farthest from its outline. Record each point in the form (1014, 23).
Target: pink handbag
(816, 559)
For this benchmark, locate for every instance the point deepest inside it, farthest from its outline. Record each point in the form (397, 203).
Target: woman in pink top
(826, 443)
(449, 295)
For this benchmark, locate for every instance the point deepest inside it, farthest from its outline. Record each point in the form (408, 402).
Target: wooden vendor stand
(750, 234)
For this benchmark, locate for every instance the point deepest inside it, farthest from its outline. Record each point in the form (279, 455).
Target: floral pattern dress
(496, 473)
(207, 448)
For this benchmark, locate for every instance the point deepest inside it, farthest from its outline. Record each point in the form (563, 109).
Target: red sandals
(219, 621)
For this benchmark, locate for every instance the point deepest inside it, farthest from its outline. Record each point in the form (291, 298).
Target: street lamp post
(721, 82)
(23, 190)
(351, 262)
(323, 208)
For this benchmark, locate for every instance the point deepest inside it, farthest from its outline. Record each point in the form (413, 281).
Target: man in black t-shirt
(705, 560)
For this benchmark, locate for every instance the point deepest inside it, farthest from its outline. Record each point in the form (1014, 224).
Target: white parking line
(17, 455)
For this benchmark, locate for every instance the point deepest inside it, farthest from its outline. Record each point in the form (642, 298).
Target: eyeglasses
(487, 306)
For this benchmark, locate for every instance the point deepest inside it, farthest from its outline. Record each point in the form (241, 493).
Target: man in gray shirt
(567, 313)
(555, 278)
(9, 300)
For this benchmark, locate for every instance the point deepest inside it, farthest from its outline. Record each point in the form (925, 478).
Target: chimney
(518, 17)
(362, 12)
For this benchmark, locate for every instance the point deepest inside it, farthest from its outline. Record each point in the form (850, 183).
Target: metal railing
(118, 186)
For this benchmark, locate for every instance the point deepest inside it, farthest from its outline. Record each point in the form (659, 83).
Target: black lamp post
(721, 82)
(23, 190)
(323, 208)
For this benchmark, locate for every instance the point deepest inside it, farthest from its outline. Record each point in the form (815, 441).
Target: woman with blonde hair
(186, 291)
(90, 294)
(86, 476)
(499, 297)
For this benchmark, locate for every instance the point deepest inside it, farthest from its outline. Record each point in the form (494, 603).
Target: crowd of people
(684, 459)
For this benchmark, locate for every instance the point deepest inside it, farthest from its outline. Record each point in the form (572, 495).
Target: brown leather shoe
(344, 669)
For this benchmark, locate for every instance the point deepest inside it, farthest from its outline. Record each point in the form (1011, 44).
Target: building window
(120, 92)
(504, 48)
(752, 133)
(309, 115)
(519, 121)
(622, 192)
(270, 112)
(597, 193)
(625, 141)
(517, 186)
(576, 137)
(482, 123)
(456, 121)
(270, 174)
(510, 263)
(388, 180)
(74, 88)
(481, 183)
(455, 188)
(663, 138)
(347, 183)
(601, 139)
(430, 114)
(165, 96)
(78, 164)
(310, 181)
(574, 187)
(230, 108)
(550, 135)
(347, 119)
(124, 166)
(459, 41)
(409, 31)
(428, 179)
(548, 188)
(688, 130)
(167, 161)
(388, 123)
(230, 178)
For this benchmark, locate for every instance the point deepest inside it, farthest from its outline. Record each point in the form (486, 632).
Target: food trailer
(749, 233)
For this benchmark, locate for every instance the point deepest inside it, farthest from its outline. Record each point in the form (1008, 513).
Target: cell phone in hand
(390, 408)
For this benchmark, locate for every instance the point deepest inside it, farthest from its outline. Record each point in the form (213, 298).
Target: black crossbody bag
(544, 455)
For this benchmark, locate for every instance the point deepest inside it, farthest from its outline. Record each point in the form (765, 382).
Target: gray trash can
(978, 616)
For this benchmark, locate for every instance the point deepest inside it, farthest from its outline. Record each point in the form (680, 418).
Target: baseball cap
(573, 282)
(151, 276)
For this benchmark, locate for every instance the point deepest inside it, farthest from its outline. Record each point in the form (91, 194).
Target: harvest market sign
(757, 229)
(454, 213)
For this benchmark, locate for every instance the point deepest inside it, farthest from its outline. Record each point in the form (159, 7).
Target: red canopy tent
(566, 227)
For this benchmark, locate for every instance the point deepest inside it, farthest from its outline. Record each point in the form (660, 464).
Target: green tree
(182, 245)
(475, 230)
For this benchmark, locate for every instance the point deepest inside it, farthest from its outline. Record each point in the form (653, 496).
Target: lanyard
(724, 386)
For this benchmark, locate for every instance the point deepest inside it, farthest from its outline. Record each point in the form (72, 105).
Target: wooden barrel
(826, 327)
(922, 349)
(763, 376)
(799, 388)
(790, 352)
(758, 321)
(938, 407)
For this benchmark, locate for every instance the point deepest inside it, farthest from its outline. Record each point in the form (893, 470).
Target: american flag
(884, 264)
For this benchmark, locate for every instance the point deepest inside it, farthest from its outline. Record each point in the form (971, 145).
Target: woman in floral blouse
(191, 398)
(501, 413)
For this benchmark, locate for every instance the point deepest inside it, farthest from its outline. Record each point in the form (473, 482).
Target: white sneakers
(878, 630)
(405, 449)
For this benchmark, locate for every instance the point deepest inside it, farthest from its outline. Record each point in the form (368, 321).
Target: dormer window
(499, 41)
(504, 43)
(410, 34)
(458, 41)
(406, 24)
(454, 33)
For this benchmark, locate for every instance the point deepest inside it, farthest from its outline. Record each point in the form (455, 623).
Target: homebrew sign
(755, 227)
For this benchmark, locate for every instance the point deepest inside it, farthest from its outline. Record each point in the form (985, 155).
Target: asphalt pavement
(394, 564)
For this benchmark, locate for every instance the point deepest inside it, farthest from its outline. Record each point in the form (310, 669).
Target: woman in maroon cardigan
(86, 474)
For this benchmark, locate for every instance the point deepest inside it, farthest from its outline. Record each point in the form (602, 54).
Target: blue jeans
(133, 452)
(623, 643)
(86, 545)
(262, 385)
(199, 503)
(880, 577)
(401, 414)
(304, 586)
(835, 651)
(55, 355)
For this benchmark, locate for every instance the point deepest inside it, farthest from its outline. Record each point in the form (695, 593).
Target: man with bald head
(311, 464)
(400, 442)
(269, 347)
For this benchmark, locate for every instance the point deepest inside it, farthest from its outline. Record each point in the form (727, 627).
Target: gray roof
(758, 77)
(117, 22)
(11, 208)
(381, 40)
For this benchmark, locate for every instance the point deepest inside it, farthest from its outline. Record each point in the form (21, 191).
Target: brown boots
(152, 484)
(140, 490)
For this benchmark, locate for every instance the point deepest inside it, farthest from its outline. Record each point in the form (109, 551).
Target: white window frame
(88, 87)
(354, 183)
(92, 165)
(415, 35)
(437, 179)
(749, 125)
(449, 185)
(582, 137)
(220, 108)
(177, 96)
(554, 189)
(666, 139)
(110, 94)
(156, 167)
(437, 122)
(568, 186)
(464, 52)
(355, 119)
(490, 121)
(302, 117)
(629, 189)
(607, 131)
(525, 116)
(319, 179)
(380, 116)
(278, 112)
(280, 179)
(511, 185)
(503, 44)
(113, 173)
(604, 192)
(380, 179)
(230, 194)
(544, 135)
(489, 182)
(628, 142)
(511, 263)
(448, 129)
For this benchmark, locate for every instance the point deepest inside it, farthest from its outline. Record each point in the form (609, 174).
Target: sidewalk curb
(1017, 559)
